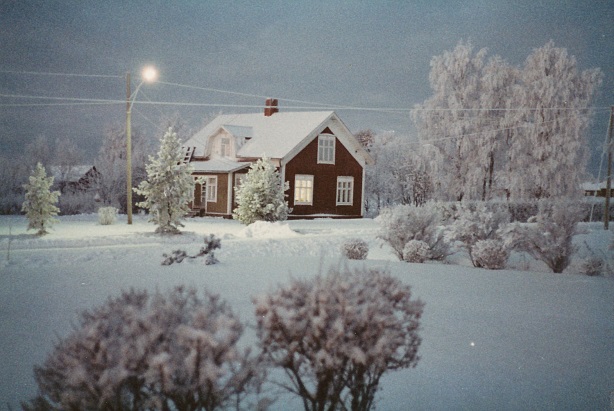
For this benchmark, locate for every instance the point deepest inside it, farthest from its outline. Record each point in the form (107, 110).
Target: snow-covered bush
(548, 236)
(169, 186)
(260, 197)
(474, 223)
(355, 249)
(593, 266)
(211, 243)
(400, 224)
(416, 251)
(141, 352)
(336, 335)
(107, 215)
(490, 254)
(39, 204)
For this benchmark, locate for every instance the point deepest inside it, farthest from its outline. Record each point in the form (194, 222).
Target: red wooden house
(314, 151)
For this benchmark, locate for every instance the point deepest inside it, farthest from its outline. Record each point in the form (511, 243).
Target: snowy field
(517, 339)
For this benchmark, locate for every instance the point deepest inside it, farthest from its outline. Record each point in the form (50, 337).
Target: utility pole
(608, 185)
(128, 149)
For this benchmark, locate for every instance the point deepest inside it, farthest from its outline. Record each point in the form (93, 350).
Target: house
(73, 179)
(596, 189)
(314, 152)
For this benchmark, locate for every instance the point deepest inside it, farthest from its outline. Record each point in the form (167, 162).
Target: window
(345, 190)
(326, 149)
(303, 189)
(225, 147)
(239, 178)
(209, 191)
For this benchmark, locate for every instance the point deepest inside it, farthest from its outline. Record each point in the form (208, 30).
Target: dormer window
(326, 149)
(225, 147)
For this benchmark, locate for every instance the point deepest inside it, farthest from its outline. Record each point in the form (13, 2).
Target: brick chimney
(270, 107)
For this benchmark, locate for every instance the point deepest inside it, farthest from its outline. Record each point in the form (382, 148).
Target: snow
(505, 339)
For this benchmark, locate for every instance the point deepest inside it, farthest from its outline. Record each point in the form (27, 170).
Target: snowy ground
(505, 340)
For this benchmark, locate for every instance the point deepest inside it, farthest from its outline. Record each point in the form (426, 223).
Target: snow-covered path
(491, 339)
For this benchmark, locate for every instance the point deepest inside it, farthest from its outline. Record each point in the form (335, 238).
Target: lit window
(345, 190)
(209, 191)
(303, 189)
(326, 149)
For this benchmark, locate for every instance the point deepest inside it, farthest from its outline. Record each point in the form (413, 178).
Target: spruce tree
(169, 186)
(261, 195)
(40, 201)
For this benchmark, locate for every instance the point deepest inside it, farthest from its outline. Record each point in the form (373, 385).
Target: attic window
(225, 147)
(326, 149)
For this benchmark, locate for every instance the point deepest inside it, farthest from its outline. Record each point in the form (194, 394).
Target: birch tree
(447, 121)
(549, 150)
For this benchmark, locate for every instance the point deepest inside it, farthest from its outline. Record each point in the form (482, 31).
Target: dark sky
(372, 54)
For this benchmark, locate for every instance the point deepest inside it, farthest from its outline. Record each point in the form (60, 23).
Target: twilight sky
(365, 54)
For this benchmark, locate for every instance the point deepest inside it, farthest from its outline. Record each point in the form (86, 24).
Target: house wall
(220, 207)
(325, 181)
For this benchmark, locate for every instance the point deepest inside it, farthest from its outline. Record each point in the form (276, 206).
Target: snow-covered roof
(273, 136)
(278, 137)
(239, 131)
(218, 165)
(69, 174)
(593, 186)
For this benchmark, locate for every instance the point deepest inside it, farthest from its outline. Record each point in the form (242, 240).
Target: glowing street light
(148, 75)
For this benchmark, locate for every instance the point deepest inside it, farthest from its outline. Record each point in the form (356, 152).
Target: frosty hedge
(141, 352)
(334, 335)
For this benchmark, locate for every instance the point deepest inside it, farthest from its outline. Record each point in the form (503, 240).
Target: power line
(39, 73)
(324, 107)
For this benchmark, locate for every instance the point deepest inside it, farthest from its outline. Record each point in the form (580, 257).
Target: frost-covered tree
(474, 223)
(260, 197)
(336, 335)
(144, 352)
(401, 224)
(492, 129)
(548, 236)
(39, 204)
(13, 173)
(169, 186)
(366, 138)
(548, 151)
(399, 174)
(111, 163)
(448, 121)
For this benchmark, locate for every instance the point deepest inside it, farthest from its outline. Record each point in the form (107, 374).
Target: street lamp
(148, 75)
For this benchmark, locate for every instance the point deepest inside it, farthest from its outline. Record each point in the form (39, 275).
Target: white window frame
(345, 190)
(225, 146)
(326, 149)
(210, 189)
(303, 189)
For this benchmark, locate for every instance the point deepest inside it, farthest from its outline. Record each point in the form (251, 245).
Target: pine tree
(40, 201)
(169, 186)
(261, 195)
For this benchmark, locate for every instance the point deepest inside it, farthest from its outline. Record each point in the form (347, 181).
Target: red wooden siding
(220, 206)
(325, 181)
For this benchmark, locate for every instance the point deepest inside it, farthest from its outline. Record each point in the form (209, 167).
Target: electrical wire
(39, 73)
